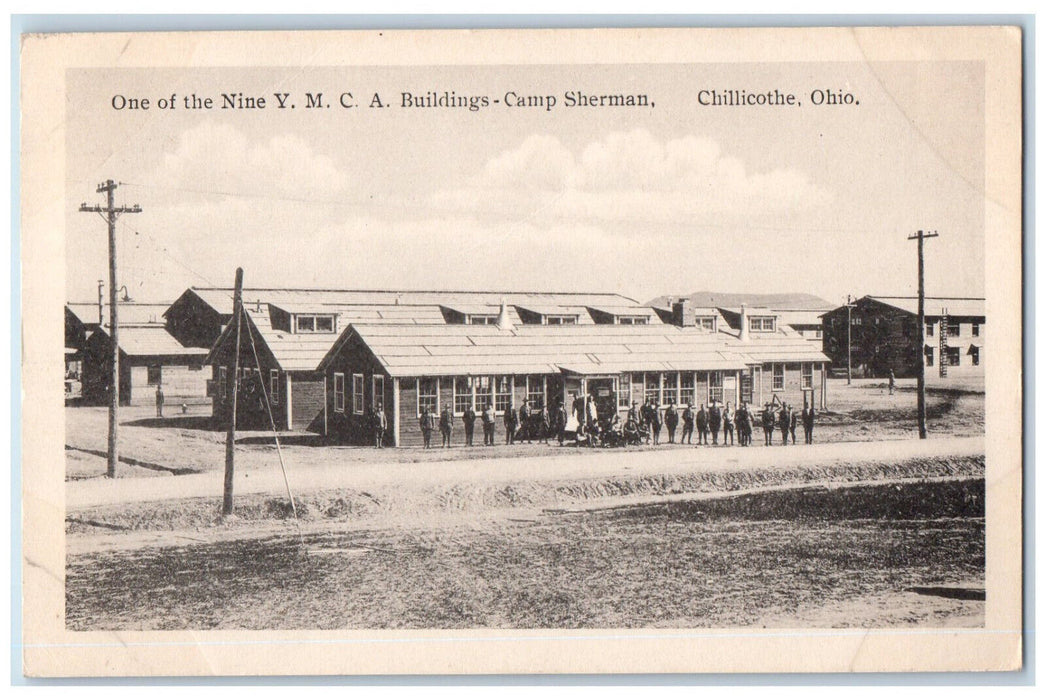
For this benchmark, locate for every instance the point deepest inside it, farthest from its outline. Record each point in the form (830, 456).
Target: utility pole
(110, 212)
(230, 437)
(849, 341)
(921, 364)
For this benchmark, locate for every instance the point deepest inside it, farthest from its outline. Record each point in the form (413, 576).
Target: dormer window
(706, 322)
(762, 324)
(564, 320)
(314, 323)
(632, 320)
(481, 320)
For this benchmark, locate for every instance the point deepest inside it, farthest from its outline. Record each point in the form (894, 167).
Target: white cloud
(219, 158)
(632, 176)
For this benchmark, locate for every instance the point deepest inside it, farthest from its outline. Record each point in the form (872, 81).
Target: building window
(624, 391)
(746, 386)
(377, 391)
(339, 392)
(715, 387)
(223, 381)
(561, 320)
(670, 388)
(762, 324)
(632, 320)
(975, 329)
(154, 375)
(777, 382)
(953, 357)
(707, 322)
(428, 394)
(686, 388)
(357, 394)
(652, 387)
(274, 386)
(975, 355)
(929, 329)
(536, 390)
(818, 333)
(502, 392)
(928, 352)
(481, 320)
(954, 329)
(462, 394)
(807, 376)
(312, 323)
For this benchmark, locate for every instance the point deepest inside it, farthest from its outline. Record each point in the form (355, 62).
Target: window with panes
(652, 387)
(715, 387)
(428, 394)
(686, 388)
(502, 392)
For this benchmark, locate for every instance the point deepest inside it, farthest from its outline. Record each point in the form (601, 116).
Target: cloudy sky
(669, 199)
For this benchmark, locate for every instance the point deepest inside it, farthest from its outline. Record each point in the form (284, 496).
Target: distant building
(885, 336)
(800, 312)
(150, 356)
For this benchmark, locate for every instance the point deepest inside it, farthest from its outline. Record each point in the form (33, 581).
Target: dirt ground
(179, 444)
(900, 554)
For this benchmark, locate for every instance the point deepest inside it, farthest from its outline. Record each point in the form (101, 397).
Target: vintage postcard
(564, 351)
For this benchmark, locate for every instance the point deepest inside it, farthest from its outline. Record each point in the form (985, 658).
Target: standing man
(741, 419)
(592, 425)
(808, 425)
(524, 421)
(783, 422)
(715, 421)
(793, 418)
(688, 424)
(671, 421)
(702, 426)
(381, 424)
(768, 424)
(428, 424)
(893, 380)
(446, 425)
(655, 421)
(728, 424)
(544, 423)
(560, 421)
(159, 401)
(488, 425)
(511, 422)
(469, 419)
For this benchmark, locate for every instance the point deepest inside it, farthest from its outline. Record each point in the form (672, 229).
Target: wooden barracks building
(884, 336)
(328, 358)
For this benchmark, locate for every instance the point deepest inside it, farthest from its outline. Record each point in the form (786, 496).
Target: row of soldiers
(642, 424)
(525, 424)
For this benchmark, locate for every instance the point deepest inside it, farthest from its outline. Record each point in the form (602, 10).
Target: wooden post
(395, 411)
(920, 236)
(230, 438)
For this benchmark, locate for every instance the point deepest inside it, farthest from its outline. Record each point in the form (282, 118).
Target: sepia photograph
(684, 335)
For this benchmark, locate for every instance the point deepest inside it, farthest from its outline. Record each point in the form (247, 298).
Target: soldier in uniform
(525, 424)
(671, 421)
(715, 419)
(744, 426)
(793, 418)
(560, 422)
(511, 423)
(702, 426)
(783, 422)
(469, 419)
(428, 424)
(655, 422)
(381, 424)
(488, 425)
(728, 424)
(767, 420)
(446, 425)
(159, 401)
(808, 424)
(688, 424)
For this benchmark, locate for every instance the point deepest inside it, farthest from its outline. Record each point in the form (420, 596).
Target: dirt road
(565, 463)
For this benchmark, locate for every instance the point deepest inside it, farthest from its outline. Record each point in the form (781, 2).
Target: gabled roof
(793, 301)
(450, 350)
(130, 312)
(152, 341)
(956, 306)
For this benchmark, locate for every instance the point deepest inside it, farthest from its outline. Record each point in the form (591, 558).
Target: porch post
(395, 411)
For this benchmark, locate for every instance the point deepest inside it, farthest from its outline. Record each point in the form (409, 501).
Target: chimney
(683, 313)
(504, 322)
(743, 335)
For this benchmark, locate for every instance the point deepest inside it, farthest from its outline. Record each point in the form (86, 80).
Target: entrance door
(730, 389)
(602, 390)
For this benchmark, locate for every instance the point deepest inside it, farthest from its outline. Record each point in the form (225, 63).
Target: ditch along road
(259, 473)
